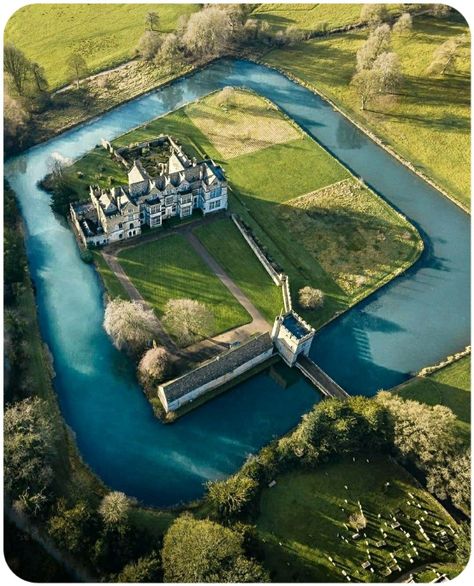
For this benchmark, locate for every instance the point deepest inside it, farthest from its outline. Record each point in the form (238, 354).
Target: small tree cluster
(231, 496)
(373, 14)
(204, 551)
(130, 325)
(378, 69)
(29, 450)
(310, 298)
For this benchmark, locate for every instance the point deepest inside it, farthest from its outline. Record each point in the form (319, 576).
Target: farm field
(308, 16)
(450, 386)
(266, 189)
(105, 35)
(428, 123)
(169, 268)
(301, 518)
(223, 240)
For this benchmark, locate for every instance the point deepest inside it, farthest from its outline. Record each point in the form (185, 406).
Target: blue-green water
(416, 320)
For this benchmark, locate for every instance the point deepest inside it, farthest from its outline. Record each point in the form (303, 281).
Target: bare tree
(403, 25)
(129, 324)
(367, 84)
(188, 320)
(154, 366)
(15, 119)
(373, 14)
(444, 57)
(77, 66)
(149, 45)
(311, 298)
(169, 55)
(39, 77)
(440, 10)
(152, 21)
(377, 42)
(389, 68)
(16, 66)
(209, 32)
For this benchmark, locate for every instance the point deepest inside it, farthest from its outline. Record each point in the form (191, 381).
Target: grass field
(428, 123)
(264, 186)
(308, 16)
(104, 34)
(300, 519)
(223, 240)
(450, 386)
(111, 283)
(357, 237)
(170, 269)
(224, 120)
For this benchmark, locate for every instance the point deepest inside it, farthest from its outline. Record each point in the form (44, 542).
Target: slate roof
(216, 367)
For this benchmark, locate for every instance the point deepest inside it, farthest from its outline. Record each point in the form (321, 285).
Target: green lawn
(301, 516)
(308, 16)
(104, 34)
(111, 283)
(284, 171)
(428, 123)
(450, 386)
(227, 245)
(97, 168)
(170, 269)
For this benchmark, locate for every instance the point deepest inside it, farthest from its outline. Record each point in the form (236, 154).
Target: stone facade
(182, 186)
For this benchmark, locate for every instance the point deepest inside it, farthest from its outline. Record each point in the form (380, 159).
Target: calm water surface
(414, 321)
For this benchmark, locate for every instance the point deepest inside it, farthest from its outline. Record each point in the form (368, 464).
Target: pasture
(104, 34)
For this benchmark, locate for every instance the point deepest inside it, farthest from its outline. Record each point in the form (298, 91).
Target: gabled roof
(137, 173)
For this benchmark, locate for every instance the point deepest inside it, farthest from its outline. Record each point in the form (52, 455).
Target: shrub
(154, 367)
(310, 298)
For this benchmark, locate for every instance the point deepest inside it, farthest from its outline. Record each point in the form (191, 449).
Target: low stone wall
(276, 277)
(285, 288)
(449, 360)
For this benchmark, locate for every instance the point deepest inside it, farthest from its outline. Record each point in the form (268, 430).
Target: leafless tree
(77, 67)
(17, 67)
(403, 25)
(373, 14)
(445, 56)
(367, 84)
(152, 21)
(377, 42)
(129, 324)
(149, 45)
(188, 320)
(389, 68)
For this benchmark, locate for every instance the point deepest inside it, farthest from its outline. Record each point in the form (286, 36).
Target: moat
(416, 320)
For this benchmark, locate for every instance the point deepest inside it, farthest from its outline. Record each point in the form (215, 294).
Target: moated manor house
(180, 186)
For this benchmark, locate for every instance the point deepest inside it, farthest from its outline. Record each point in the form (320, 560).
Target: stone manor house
(181, 186)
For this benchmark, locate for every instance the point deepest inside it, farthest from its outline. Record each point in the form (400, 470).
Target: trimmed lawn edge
(377, 140)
